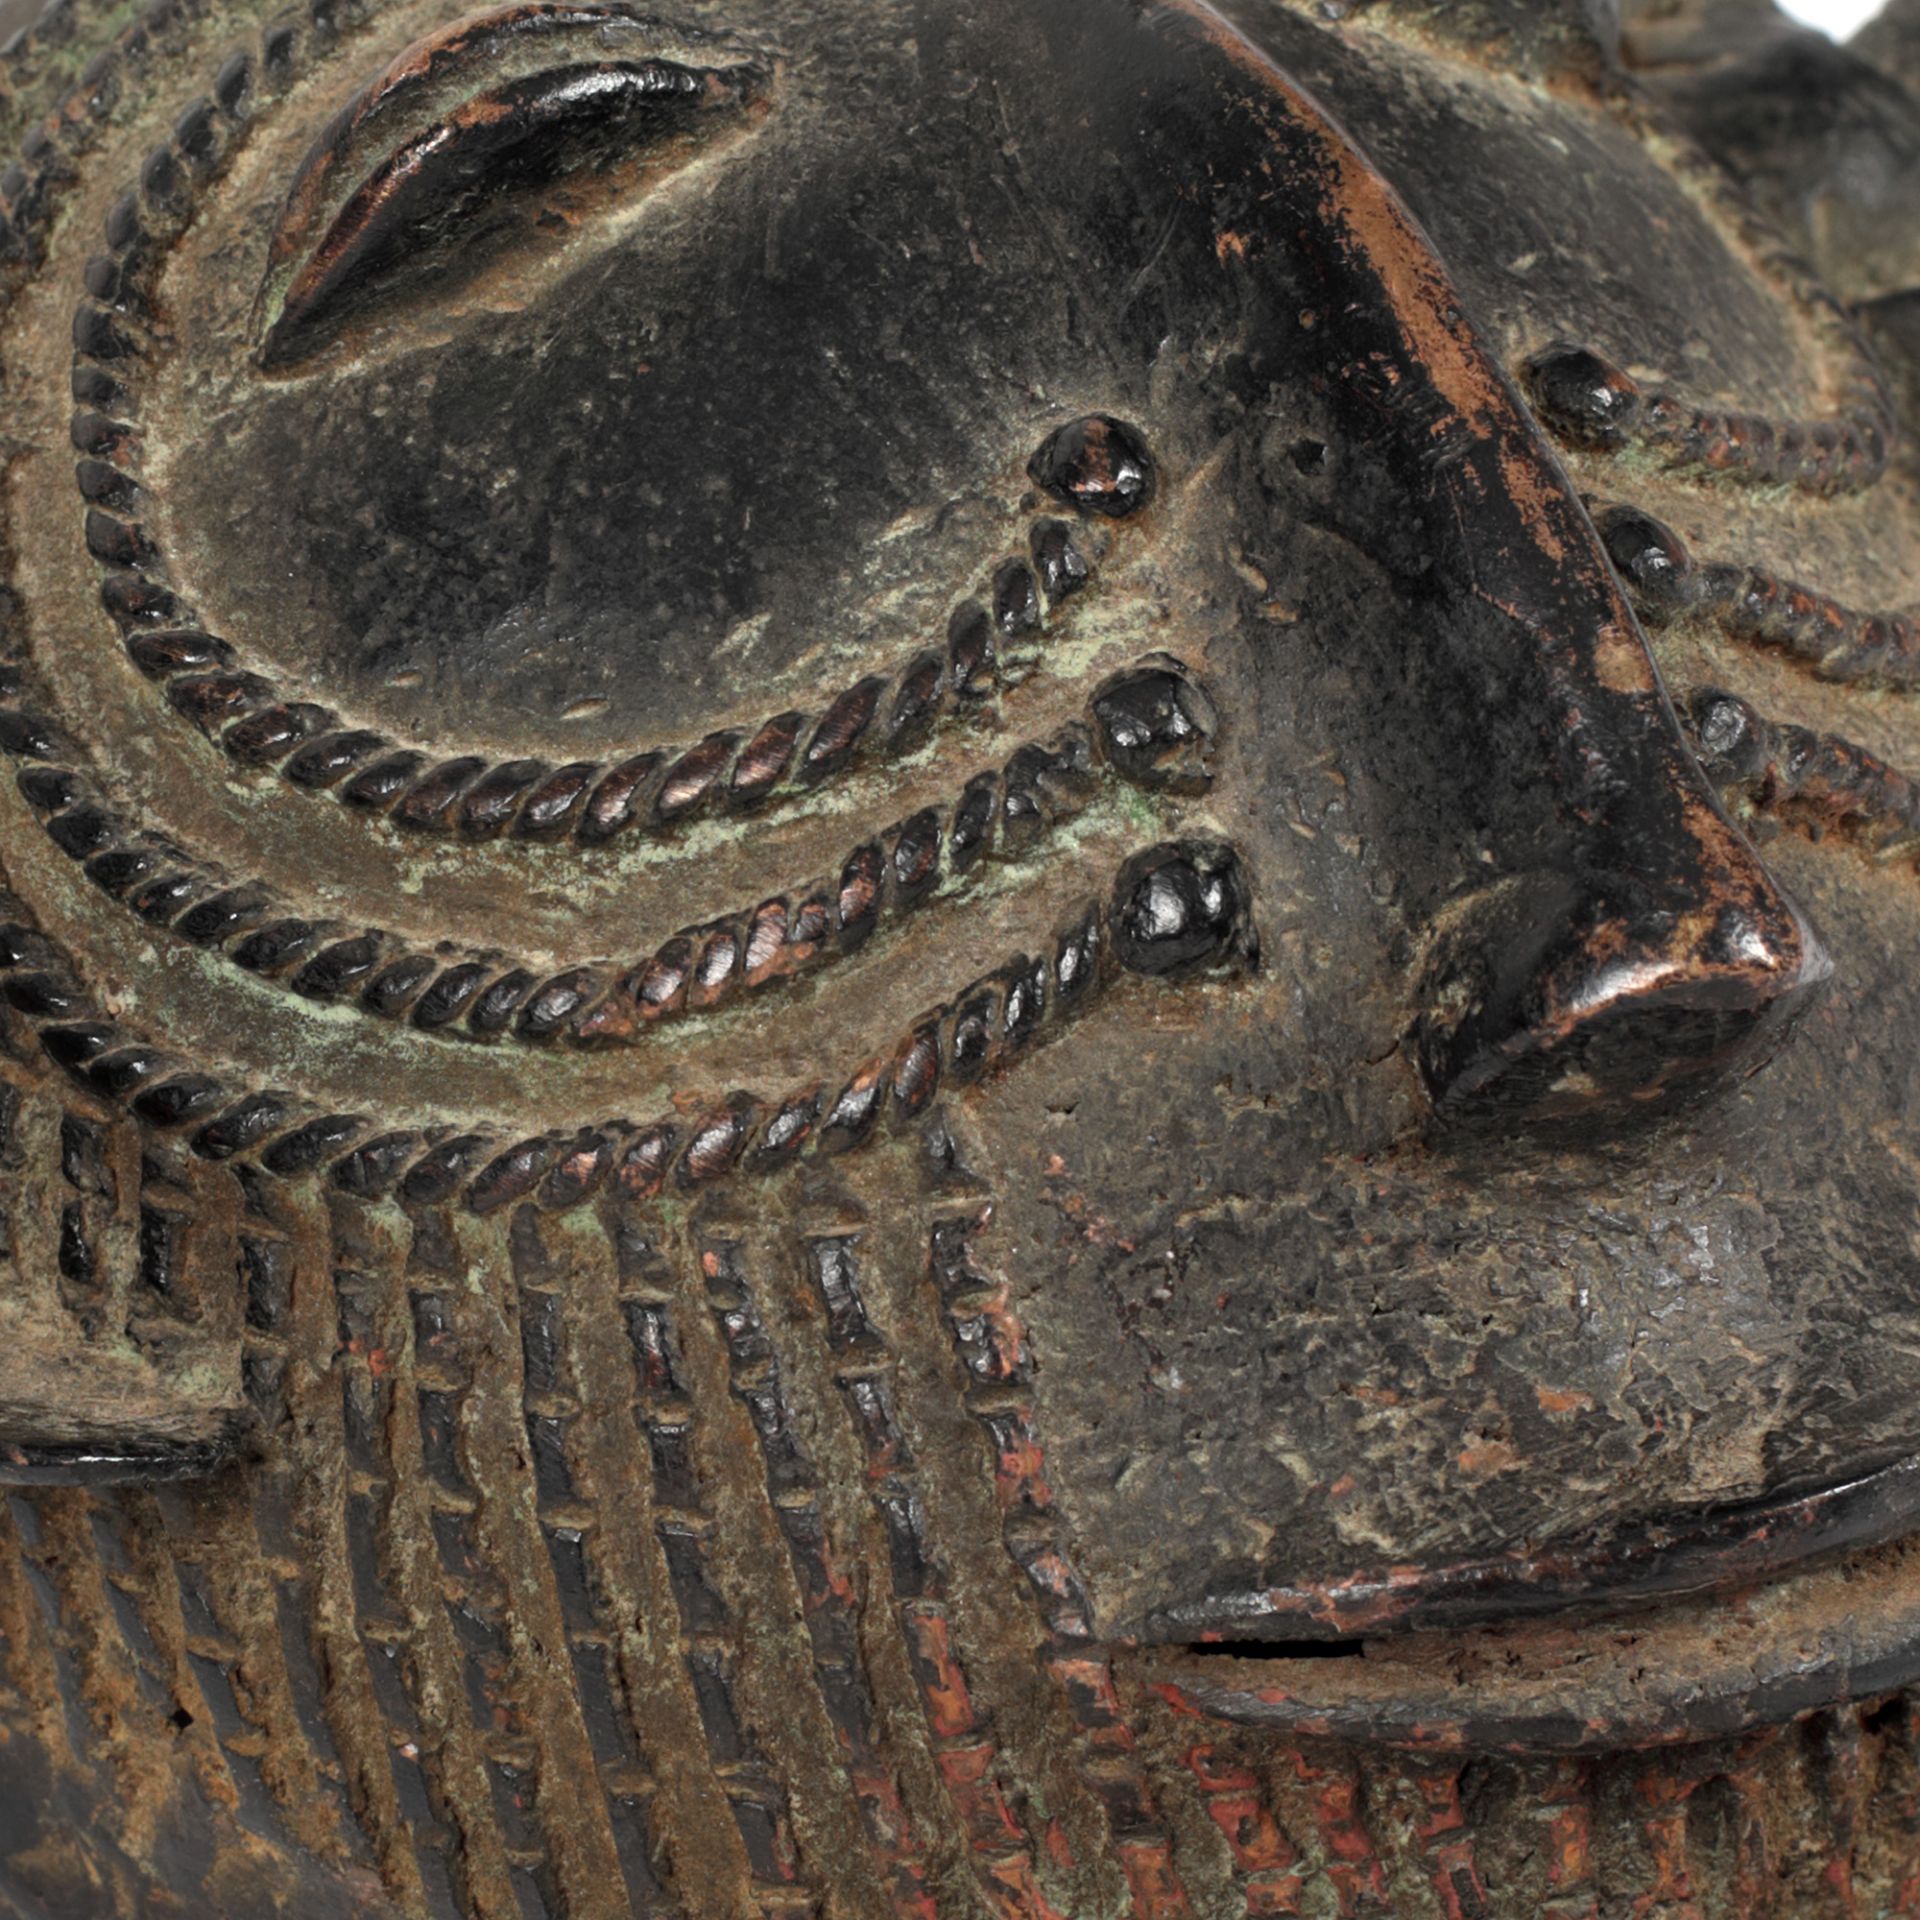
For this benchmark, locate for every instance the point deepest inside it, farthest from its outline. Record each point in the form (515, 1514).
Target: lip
(1771, 1610)
(1726, 1546)
(1706, 1669)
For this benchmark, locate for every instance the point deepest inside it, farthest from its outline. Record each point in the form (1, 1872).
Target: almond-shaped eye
(506, 126)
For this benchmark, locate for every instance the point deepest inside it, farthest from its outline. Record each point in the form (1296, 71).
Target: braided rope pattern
(1836, 642)
(1586, 400)
(1816, 780)
(989, 645)
(984, 1028)
(997, 815)
(1589, 402)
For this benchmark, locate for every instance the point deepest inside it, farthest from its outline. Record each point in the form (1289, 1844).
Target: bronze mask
(957, 961)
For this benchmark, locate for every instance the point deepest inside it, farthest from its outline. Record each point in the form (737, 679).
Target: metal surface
(957, 961)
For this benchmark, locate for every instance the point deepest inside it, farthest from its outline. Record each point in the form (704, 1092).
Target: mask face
(898, 890)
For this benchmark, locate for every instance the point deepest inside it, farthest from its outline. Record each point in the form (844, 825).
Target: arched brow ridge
(474, 118)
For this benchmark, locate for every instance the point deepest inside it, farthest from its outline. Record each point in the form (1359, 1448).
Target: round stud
(1584, 397)
(1156, 727)
(1650, 557)
(1099, 464)
(1180, 907)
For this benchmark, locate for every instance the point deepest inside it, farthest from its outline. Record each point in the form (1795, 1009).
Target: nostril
(1558, 997)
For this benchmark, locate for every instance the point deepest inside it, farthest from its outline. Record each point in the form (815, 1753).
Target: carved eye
(499, 131)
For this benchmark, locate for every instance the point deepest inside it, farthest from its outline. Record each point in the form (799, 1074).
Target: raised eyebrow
(456, 81)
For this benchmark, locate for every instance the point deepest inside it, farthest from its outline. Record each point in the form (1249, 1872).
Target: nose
(1623, 946)
(1597, 936)
(1595, 994)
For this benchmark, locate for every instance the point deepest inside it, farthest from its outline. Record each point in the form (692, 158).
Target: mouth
(1735, 1619)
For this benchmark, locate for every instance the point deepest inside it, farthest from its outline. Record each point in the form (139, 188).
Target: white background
(1839, 17)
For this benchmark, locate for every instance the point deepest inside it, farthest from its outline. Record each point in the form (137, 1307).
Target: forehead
(791, 385)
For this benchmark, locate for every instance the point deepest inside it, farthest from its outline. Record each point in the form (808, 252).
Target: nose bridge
(1623, 943)
(1612, 935)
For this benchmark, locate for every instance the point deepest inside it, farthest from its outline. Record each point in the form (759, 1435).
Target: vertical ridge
(677, 1808)
(108, 1678)
(176, 1535)
(264, 1271)
(34, 1218)
(965, 1754)
(1893, 1844)
(49, 1634)
(1662, 1805)
(1323, 1803)
(1265, 1861)
(1004, 1742)
(239, 1588)
(1839, 1762)
(328, 1605)
(830, 1607)
(1426, 1827)
(983, 1322)
(377, 1367)
(1566, 1813)
(1752, 1870)
(583, 1536)
(678, 1387)
(576, 1838)
(118, 1249)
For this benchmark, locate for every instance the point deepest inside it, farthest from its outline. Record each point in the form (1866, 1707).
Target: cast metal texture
(956, 961)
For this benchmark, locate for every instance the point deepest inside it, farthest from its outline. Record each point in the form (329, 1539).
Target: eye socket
(506, 128)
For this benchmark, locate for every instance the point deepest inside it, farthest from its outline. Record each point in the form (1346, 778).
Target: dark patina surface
(956, 961)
